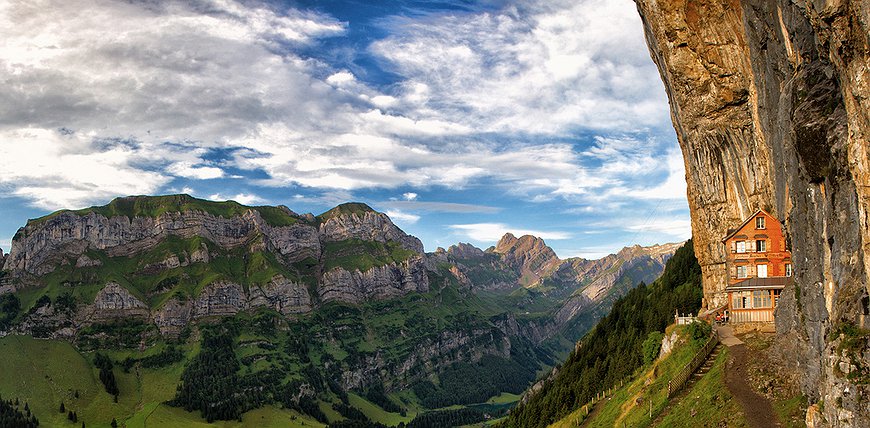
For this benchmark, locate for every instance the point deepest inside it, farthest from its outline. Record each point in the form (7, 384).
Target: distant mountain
(341, 302)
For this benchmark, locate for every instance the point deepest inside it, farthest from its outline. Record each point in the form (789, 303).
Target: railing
(679, 380)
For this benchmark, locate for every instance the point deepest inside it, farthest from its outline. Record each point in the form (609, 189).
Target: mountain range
(341, 302)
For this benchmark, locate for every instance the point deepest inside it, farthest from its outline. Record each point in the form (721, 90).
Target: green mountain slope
(612, 351)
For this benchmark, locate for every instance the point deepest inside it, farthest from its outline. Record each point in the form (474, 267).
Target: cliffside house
(759, 267)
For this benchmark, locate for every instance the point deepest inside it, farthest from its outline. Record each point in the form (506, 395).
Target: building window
(741, 271)
(761, 299)
(741, 246)
(788, 270)
(762, 271)
(759, 222)
(737, 303)
(760, 245)
(776, 294)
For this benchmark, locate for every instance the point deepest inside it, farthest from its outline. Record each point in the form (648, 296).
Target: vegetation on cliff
(613, 350)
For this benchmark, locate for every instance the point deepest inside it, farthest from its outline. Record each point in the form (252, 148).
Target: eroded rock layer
(770, 103)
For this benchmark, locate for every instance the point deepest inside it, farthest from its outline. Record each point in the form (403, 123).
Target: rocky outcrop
(528, 255)
(115, 302)
(465, 251)
(285, 296)
(379, 282)
(40, 246)
(771, 104)
(368, 225)
(225, 298)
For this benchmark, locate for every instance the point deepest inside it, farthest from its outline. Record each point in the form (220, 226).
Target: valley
(212, 312)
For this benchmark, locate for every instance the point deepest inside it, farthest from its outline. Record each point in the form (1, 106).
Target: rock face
(38, 247)
(224, 298)
(114, 302)
(367, 226)
(528, 255)
(379, 282)
(771, 104)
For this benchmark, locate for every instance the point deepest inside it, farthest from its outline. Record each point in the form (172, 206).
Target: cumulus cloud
(130, 96)
(409, 196)
(242, 198)
(537, 67)
(492, 232)
(402, 217)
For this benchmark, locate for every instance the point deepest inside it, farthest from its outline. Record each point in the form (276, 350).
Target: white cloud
(492, 232)
(54, 170)
(538, 67)
(227, 75)
(188, 170)
(409, 196)
(680, 228)
(242, 198)
(441, 207)
(402, 217)
(6, 244)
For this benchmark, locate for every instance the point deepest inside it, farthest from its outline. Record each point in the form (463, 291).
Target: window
(740, 300)
(759, 222)
(760, 245)
(741, 246)
(788, 270)
(776, 294)
(741, 271)
(761, 299)
(762, 271)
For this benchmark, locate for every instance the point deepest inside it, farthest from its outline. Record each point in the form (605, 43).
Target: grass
(357, 208)
(630, 404)
(791, 412)
(504, 398)
(377, 414)
(707, 403)
(356, 254)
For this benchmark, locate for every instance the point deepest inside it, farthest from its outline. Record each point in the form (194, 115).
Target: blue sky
(462, 120)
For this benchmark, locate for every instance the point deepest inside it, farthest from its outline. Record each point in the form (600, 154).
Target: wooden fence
(679, 380)
(587, 408)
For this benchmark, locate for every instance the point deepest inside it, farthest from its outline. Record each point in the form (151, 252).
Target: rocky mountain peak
(528, 255)
(356, 220)
(465, 251)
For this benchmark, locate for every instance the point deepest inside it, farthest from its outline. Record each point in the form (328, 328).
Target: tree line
(614, 349)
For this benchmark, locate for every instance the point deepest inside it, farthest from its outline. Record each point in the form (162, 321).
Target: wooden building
(759, 267)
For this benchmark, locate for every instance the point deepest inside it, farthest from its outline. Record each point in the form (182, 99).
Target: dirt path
(757, 409)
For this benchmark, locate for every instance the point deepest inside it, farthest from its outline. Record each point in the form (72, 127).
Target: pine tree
(114, 423)
(69, 415)
(62, 408)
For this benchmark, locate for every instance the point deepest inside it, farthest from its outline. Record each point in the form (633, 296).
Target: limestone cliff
(771, 104)
(379, 282)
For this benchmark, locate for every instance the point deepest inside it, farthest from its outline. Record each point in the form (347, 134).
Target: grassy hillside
(275, 357)
(154, 206)
(642, 400)
(612, 351)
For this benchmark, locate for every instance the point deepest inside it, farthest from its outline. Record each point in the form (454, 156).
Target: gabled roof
(732, 232)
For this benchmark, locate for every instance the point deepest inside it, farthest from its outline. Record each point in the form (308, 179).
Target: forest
(613, 350)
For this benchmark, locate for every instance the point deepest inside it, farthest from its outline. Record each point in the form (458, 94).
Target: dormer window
(759, 222)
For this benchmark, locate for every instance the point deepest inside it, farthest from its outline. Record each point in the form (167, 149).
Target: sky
(462, 120)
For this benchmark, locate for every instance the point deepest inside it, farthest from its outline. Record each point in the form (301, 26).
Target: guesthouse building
(759, 267)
